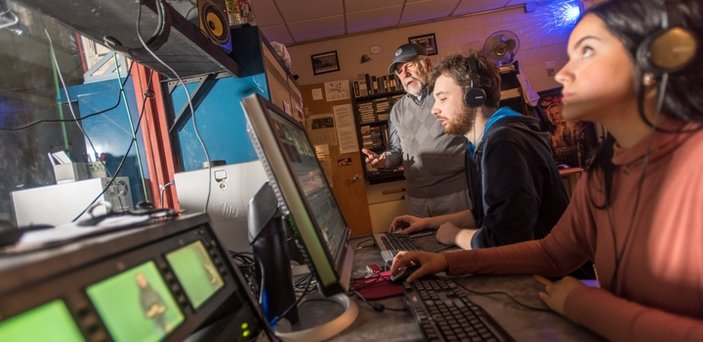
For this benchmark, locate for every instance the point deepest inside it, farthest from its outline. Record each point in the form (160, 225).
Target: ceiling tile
(295, 10)
(277, 33)
(517, 2)
(266, 13)
(473, 6)
(373, 19)
(318, 28)
(426, 10)
(363, 5)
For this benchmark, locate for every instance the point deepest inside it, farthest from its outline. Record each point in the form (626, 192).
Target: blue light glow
(572, 13)
(566, 14)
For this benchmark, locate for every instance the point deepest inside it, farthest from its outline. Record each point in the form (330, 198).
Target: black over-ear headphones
(670, 49)
(474, 96)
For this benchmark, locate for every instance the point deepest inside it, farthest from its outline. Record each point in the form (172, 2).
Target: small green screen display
(49, 322)
(196, 272)
(136, 304)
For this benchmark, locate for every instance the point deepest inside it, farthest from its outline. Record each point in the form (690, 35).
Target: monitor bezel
(291, 197)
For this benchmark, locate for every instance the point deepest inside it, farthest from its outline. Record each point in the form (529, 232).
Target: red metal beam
(157, 143)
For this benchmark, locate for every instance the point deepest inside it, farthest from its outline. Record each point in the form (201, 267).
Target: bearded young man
(516, 190)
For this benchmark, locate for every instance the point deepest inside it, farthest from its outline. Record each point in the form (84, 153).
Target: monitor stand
(267, 228)
(326, 330)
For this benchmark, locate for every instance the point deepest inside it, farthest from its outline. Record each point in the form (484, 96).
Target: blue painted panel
(110, 132)
(221, 122)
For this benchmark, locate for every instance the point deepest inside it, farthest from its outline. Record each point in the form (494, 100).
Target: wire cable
(188, 96)
(103, 111)
(481, 293)
(285, 312)
(377, 306)
(65, 89)
(147, 95)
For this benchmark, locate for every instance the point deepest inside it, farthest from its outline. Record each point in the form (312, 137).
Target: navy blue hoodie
(522, 195)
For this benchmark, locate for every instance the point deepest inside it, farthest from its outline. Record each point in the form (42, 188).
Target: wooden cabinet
(265, 71)
(386, 201)
(510, 90)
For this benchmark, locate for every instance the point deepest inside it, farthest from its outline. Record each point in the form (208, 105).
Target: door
(344, 171)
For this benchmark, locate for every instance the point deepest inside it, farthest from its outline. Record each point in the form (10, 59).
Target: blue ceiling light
(566, 13)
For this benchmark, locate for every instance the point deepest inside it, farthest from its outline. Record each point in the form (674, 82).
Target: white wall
(540, 42)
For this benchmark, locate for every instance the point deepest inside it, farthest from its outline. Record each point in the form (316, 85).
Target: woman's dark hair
(632, 21)
(456, 67)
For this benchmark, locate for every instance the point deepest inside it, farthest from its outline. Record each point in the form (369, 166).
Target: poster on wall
(572, 142)
(321, 129)
(337, 90)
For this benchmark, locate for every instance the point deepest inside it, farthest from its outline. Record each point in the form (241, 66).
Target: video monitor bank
(164, 281)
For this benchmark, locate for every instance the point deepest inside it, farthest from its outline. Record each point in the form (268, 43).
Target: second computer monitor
(302, 191)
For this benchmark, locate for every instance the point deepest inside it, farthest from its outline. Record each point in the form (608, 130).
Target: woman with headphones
(634, 67)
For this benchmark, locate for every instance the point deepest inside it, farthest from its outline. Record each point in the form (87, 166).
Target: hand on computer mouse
(403, 275)
(430, 263)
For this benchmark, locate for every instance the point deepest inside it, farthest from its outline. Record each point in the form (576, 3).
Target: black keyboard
(399, 242)
(445, 314)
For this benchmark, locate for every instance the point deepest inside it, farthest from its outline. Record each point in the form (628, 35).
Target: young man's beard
(462, 123)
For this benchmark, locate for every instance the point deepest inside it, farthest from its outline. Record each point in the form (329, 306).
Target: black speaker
(213, 22)
(474, 96)
(670, 49)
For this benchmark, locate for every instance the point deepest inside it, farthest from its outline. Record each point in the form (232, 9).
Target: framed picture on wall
(428, 41)
(325, 62)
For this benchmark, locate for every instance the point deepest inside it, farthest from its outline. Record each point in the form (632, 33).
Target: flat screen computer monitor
(302, 192)
(45, 322)
(136, 304)
(196, 273)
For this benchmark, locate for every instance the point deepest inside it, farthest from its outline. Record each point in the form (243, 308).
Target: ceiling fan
(501, 47)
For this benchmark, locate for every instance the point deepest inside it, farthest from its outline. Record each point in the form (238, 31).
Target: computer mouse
(9, 234)
(405, 273)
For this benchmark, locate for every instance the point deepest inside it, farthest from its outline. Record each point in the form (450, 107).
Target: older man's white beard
(414, 89)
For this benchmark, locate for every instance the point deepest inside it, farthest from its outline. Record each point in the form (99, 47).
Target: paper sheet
(321, 129)
(346, 129)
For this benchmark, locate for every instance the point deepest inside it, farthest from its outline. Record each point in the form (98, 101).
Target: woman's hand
(430, 263)
(555, 293)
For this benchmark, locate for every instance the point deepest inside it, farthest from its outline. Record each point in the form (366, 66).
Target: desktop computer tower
(231, 188)
(60, 203)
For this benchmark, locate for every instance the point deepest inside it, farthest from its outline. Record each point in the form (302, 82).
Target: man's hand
(449, 234)
(430, 263)
(373, 159)
(408, 224)
(555, 293)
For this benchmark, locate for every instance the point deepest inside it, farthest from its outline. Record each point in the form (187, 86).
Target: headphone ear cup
(667, 51)
(475, 97)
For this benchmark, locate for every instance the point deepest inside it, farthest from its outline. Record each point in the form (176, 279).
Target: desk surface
(523, 324)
